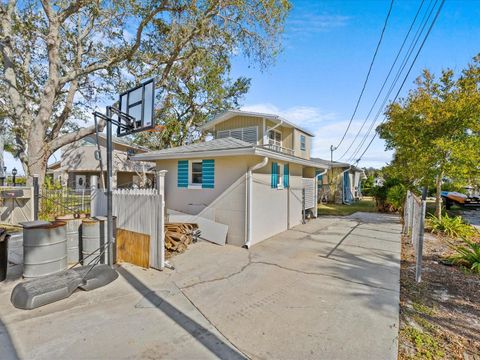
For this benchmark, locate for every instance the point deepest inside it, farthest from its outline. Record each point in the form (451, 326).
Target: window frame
(303, 142)
(191, 184)
(242, 129)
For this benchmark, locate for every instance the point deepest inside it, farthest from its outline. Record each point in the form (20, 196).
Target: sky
(327, 49)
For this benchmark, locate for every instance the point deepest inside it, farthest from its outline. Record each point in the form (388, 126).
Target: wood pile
(178, 236)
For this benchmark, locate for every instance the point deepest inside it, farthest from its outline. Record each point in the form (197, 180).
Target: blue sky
(328, 46)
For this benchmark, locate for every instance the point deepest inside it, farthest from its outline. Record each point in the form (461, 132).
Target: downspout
(249, 217)
(316, 190)
(344, 200)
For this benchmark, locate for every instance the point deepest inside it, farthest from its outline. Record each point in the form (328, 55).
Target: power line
(404, 63)
(408, 73)
(368, 74)
(386, 79)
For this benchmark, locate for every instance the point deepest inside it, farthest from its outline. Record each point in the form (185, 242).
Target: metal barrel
(94, 239)
(73, 236)
(44, 249)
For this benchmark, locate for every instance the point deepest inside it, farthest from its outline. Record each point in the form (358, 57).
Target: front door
(80, 182)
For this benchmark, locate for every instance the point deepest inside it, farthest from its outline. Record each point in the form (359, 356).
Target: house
(250, 177)
(79, 169)
(341, 184)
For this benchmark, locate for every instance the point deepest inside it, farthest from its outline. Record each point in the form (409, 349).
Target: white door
(80, 182)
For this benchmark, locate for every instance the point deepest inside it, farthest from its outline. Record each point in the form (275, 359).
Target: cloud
(328, 129)
(308, 117)
(313, 23)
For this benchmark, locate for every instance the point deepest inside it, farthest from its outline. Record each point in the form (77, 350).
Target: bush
(467, 255)
(396, 197)
(453, 227)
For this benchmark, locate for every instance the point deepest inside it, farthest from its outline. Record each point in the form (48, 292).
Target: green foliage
(435, 131)
(390, 196)
(396, 196)
(467, 255)
(426, 345)
(453, 227)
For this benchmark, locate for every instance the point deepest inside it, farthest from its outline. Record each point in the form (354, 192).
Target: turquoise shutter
(319, 178)
(274, 175)
(286, 176)
(208, 174)
(182, 173)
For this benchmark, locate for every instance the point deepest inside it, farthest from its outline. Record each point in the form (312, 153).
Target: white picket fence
(139, 210)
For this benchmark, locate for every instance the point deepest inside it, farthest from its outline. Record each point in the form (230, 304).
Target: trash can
(3, 253)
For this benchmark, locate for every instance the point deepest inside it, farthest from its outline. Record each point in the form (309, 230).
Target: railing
(278, 148)
(414, 227)
(61, 202)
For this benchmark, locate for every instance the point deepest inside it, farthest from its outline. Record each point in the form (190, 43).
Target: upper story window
(248, 134)
(275, 138)
(303, 145)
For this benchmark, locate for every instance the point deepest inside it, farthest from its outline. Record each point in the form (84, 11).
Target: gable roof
(222, 147)
(232, 113)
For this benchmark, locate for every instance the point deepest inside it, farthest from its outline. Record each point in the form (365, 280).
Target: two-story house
(79, 168)
(250, 177)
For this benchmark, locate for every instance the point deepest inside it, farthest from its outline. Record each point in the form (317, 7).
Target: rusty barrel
(73, 224)
(94, 239)
(44, 249)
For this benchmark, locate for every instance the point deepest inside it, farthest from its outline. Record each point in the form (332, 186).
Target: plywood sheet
(133, 247)
(211, 230)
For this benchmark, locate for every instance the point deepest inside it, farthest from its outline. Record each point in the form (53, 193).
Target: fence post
(303, 206)
(36, 197)
(161, 222)
(421, 232)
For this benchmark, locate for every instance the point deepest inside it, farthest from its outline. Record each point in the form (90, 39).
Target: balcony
(278, 148)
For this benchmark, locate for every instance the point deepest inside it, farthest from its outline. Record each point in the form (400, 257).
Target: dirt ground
(440, 317)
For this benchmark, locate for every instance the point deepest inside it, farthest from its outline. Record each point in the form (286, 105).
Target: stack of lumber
(178, 236)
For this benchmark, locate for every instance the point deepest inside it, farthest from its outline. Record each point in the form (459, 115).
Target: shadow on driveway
(209, 340)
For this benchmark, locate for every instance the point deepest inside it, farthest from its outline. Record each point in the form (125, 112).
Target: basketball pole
(110, 239)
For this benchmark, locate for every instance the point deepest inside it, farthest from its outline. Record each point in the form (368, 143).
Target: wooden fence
(138, 210)
(16, 204)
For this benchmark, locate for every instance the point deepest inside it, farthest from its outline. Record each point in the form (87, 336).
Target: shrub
(467, 255)
(396, 197)
(453, 227)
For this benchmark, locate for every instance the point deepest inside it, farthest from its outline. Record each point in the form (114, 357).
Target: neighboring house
(79, 169)
(341, 184)
(249, 177)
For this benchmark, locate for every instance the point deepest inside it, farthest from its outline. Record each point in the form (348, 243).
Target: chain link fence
(414, 228)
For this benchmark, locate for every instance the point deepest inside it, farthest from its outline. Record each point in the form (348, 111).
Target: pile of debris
(178, 236)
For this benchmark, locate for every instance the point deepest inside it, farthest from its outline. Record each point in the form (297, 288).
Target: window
(248, 134)
(275, 138)
(302, 142)
(196, 173)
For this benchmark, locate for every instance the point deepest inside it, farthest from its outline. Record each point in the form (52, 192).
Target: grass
(365, 205)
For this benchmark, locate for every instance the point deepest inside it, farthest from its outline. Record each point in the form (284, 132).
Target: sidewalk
(327, 289)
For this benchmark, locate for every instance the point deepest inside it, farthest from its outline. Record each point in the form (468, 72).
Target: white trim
(192, 185)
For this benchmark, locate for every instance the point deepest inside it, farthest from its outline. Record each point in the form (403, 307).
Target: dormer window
(303, 145)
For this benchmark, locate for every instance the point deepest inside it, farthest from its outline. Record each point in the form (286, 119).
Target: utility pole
(3, 174)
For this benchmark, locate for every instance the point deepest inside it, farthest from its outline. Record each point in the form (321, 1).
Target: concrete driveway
(325, 290)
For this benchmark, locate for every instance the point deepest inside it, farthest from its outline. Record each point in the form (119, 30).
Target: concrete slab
(327, 289)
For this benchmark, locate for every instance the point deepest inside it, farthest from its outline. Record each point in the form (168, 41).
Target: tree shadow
(209, 340)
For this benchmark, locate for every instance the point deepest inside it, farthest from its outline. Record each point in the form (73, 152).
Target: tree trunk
(438, 196)
(37, 162)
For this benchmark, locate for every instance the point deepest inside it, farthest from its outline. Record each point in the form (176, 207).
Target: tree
(435, 130)
(193, 99)
(60, 58)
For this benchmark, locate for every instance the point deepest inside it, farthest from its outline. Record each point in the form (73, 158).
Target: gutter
(344, 201)
(316, 190)
(249, 215)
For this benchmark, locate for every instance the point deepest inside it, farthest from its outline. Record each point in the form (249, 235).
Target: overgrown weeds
(467, 255)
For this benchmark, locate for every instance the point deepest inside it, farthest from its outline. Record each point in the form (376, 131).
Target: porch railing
(278, 148)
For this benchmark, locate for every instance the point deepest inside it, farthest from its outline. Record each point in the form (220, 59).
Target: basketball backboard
(138, 103)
